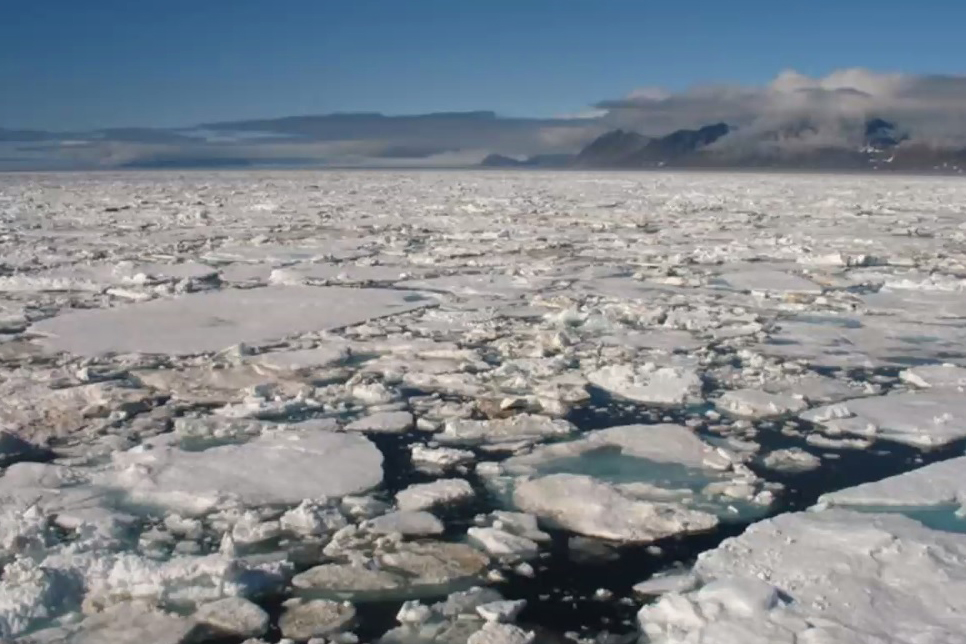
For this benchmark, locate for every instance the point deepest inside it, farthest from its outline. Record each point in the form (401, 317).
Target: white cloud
(930, 109)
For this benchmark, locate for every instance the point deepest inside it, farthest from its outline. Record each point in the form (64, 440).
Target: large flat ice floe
(923, 419)
(930, 493)
(205, 322)
(833, 576)
(276, 468)
(587, 506)
(633, 483)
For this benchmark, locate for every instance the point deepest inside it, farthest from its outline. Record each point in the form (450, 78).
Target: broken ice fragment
(388, 422)
(233, 616)
(425, 496)
(303, 620)
(502, 544)
(793, 459)
(524, 427)
(650, 384)
(594, 508)
(407, 523)
(752, 403)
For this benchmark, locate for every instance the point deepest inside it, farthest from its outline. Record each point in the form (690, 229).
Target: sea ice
(768, 281)
(303, 620)
(538, 285)
(439, 457)
(385, 422)
(649, 384)
(293, 466)
(661, 443)
(408, 523)
(752, 403)
(133, 624)
(664, 464)
(302, 361)
(520, 428)
(793, 459)
(942, 483)
(426, 496)
(211, 321)
(502, 544)
(944, 376)
(923, 419)
(594, 508)
(233, 616)
(504, 611)
(831, 576)
(496, 633)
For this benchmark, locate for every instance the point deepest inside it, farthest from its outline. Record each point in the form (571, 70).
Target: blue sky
(73, 64)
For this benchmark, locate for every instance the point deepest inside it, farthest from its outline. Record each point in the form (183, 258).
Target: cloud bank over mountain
(791, 113)
(804, 111)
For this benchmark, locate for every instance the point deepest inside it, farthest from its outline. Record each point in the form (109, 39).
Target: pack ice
(295, 404)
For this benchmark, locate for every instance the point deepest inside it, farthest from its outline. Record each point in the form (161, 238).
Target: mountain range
(464, 139)
(874, 144)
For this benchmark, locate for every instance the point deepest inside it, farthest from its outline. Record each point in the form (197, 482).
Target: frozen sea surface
(464, 407)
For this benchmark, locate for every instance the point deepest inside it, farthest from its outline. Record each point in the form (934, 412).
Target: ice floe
(291, 466)
(750, 403)
(926, 419)
(649, 383)
(833, 576)
(212, 321)
(938, 484)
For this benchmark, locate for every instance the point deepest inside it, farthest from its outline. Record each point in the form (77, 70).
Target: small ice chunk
(311, 518)
(793, 459)
(407, 523)
(675, 583)
(413, 612)
(434, 567)
(496, 633)
(302, 361)
(464, 603)
(425, 496)
(348, 581)
(768, 281)
(233, 616)
(305, 619)
(250, 530)
(594, 508)
(502, 544)
(505, 611)
(386, 422)
(753, 403)
(650, 384)
(520, 524)
(441, 457)
(524, 427)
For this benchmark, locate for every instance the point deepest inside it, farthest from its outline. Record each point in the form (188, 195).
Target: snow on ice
(253, 402)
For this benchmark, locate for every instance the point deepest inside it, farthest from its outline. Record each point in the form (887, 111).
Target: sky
(77, 65)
